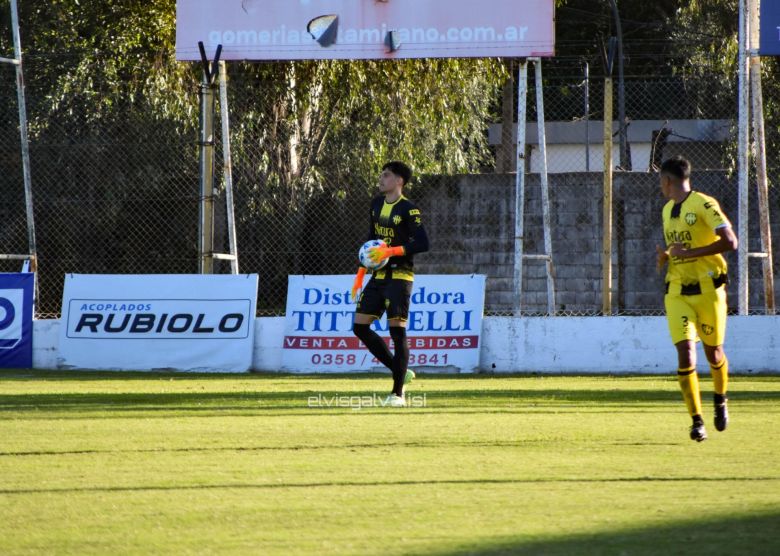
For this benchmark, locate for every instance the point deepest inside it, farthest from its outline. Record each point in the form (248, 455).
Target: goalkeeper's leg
(375, 344)
(400, 358)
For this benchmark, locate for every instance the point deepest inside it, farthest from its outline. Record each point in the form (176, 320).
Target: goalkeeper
(398, 222)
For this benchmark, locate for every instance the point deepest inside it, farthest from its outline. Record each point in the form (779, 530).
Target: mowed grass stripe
(94, 463)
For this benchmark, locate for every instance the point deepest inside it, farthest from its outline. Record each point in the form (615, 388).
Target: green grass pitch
(117, 463)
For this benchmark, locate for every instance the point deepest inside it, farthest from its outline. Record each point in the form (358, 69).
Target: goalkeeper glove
(379, 254)
(358, 283)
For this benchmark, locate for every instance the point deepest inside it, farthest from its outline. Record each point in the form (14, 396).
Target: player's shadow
(754, 535)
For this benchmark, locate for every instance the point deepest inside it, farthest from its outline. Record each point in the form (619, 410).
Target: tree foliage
(98, 63)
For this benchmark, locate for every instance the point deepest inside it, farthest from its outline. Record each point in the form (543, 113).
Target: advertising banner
(16, 316)
(769, 44)
(161, 321)
(444, 327)
(279, 29)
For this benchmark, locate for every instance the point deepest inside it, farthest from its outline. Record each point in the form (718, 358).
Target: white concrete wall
(540, 344)
(269, 337)
(572, 158)
(616, 345)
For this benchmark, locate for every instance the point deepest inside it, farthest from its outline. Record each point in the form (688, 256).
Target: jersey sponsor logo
(707, 205)
(384, 231)
(678, 237)
(690, 218)
(414, 212)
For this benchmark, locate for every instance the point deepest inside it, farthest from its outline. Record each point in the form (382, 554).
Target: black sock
(374, 343)
(400, 358)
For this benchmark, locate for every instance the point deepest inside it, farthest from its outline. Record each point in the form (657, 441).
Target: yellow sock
(720, 376)
(689, 384)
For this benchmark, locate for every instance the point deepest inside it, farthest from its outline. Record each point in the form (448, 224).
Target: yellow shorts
(703, 315)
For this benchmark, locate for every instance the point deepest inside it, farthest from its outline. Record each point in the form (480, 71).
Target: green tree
(95, 61)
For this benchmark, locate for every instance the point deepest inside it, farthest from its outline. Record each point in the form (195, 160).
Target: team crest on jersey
(396, 220)
(690, 218)
(707, 329)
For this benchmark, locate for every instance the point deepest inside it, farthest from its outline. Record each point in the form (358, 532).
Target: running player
(697, 233)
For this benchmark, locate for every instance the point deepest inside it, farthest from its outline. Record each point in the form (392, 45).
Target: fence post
(522, 99)
(759, 144)
(742, 162)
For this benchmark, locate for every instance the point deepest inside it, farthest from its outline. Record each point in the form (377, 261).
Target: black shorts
(386, 295)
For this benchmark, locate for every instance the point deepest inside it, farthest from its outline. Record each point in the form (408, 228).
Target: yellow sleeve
(713, 215)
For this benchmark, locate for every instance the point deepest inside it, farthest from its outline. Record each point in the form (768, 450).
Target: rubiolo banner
(770, 28)
(16, 316)
(364, 29)
(182, 322)
(443, 330)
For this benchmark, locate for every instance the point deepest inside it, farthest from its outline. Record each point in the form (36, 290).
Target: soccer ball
(363, 254)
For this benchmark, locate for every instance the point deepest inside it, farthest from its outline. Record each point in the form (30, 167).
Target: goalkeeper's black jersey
(398, 224)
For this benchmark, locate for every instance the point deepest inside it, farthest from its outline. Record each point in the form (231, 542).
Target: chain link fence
(121, 196)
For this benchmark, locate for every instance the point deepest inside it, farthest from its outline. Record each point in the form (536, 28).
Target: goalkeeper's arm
(357, 285)
(418, 243)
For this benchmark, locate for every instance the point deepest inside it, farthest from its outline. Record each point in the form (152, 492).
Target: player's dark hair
(399, 169)
(677, 167)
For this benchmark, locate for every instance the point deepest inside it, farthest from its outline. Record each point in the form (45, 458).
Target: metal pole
(625, 159)
(545, 186)
(606, 249)
(206, 232)
(26, 172)
(742, 162)
(522, 99)
(759, 142)
(504, 153)
(587, 117)
(227, 167)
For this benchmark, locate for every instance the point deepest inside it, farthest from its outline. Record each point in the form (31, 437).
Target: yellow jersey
(693, 223)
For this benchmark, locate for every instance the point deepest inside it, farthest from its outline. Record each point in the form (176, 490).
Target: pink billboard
(364, 29)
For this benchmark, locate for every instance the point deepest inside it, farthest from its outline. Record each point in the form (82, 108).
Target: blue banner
(16, 316)
(770, 28)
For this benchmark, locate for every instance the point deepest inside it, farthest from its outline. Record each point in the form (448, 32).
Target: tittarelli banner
(181, 322)
(364, 29)
(443, 330)
(16, 315)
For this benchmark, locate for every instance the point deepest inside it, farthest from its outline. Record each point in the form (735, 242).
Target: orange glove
(358, 283)
(379, 254)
